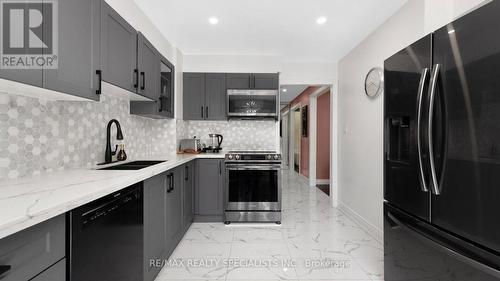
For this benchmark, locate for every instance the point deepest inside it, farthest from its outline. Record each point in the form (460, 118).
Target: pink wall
(323, 139)
(303, 99)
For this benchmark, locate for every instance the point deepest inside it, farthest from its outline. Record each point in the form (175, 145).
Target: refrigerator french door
(442, 165)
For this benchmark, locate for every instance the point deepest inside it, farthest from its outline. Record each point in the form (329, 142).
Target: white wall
(361, 119)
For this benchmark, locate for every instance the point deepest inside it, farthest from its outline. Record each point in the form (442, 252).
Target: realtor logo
(28, 34)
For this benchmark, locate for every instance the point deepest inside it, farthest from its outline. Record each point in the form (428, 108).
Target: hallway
(314, 242)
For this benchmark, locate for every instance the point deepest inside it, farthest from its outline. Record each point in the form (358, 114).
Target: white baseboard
(314, 182)
(320, 181)
(371, 229)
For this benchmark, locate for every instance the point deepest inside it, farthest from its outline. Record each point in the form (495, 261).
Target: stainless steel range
(253, 187)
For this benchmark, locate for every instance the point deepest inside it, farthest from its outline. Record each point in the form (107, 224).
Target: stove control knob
(230, 157)
(269, 157)
(276, 157)
(237, 157)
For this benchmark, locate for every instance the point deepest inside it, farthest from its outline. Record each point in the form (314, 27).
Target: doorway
(285, 138)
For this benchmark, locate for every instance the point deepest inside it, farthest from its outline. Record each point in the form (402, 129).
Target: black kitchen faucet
(119, 136)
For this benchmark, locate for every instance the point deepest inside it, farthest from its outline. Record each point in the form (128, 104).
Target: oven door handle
(253, 167)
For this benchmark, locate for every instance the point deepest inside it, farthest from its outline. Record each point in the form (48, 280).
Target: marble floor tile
(314, 242)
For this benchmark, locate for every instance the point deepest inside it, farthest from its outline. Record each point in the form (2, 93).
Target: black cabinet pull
(220, 167)
(161, 104)
(202, 112)
(143, 75)
(99, 88)
(136, 75)
(172, 180)
(206, 112)
(169, 179)
(4, 268)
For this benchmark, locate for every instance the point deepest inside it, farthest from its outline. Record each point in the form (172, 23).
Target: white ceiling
(292, 91)
(285, 28)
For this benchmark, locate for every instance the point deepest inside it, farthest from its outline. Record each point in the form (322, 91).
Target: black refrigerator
(442, 153)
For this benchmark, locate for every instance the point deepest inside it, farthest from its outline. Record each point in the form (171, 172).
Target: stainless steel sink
(134, 165)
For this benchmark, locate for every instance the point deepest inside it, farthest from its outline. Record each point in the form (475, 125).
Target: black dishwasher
(106, 238)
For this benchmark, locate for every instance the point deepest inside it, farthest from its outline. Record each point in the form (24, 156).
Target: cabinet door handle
(4, 268)
(143, 75)
(135, 78)
(161, 104)
(172, 182)
(220, 167)
(99, 88)
(169, 189)
(186, 171)
(206, 111)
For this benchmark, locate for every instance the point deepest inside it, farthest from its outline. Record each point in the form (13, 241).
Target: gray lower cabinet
(188, 195)
(204, 96)
(57, 272)
(78, 49)
(118, 50)
(31, 251)
(154, 223)
(209, 190)
(174, 208)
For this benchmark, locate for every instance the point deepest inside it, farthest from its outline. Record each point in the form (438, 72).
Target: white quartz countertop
(27, 201)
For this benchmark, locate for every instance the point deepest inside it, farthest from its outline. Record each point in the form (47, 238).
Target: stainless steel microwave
(252, 103)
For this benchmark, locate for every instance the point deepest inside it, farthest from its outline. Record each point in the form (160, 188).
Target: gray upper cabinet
(204, 96)
(78, 52)
(78, 49)
(26, 76)
(258, 81)
(174, 207)
(209, 190)
(118, 50)
(215, 96)
(265, 81)
(238, 80)
(148, 65)
(194, 96)
(164, 99)
(154, 223)
(188, 195)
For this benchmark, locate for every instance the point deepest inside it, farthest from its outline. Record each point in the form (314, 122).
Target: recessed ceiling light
(213, 20)
(284, 90)
(321, 20)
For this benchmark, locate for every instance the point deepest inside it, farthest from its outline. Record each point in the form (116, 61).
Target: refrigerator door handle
(432, 96)
(421, 86)
(451, 252)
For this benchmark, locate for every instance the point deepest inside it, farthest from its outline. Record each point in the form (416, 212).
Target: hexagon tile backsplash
(40, 135)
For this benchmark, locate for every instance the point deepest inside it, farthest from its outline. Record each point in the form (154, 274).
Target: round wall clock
(374, 82)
